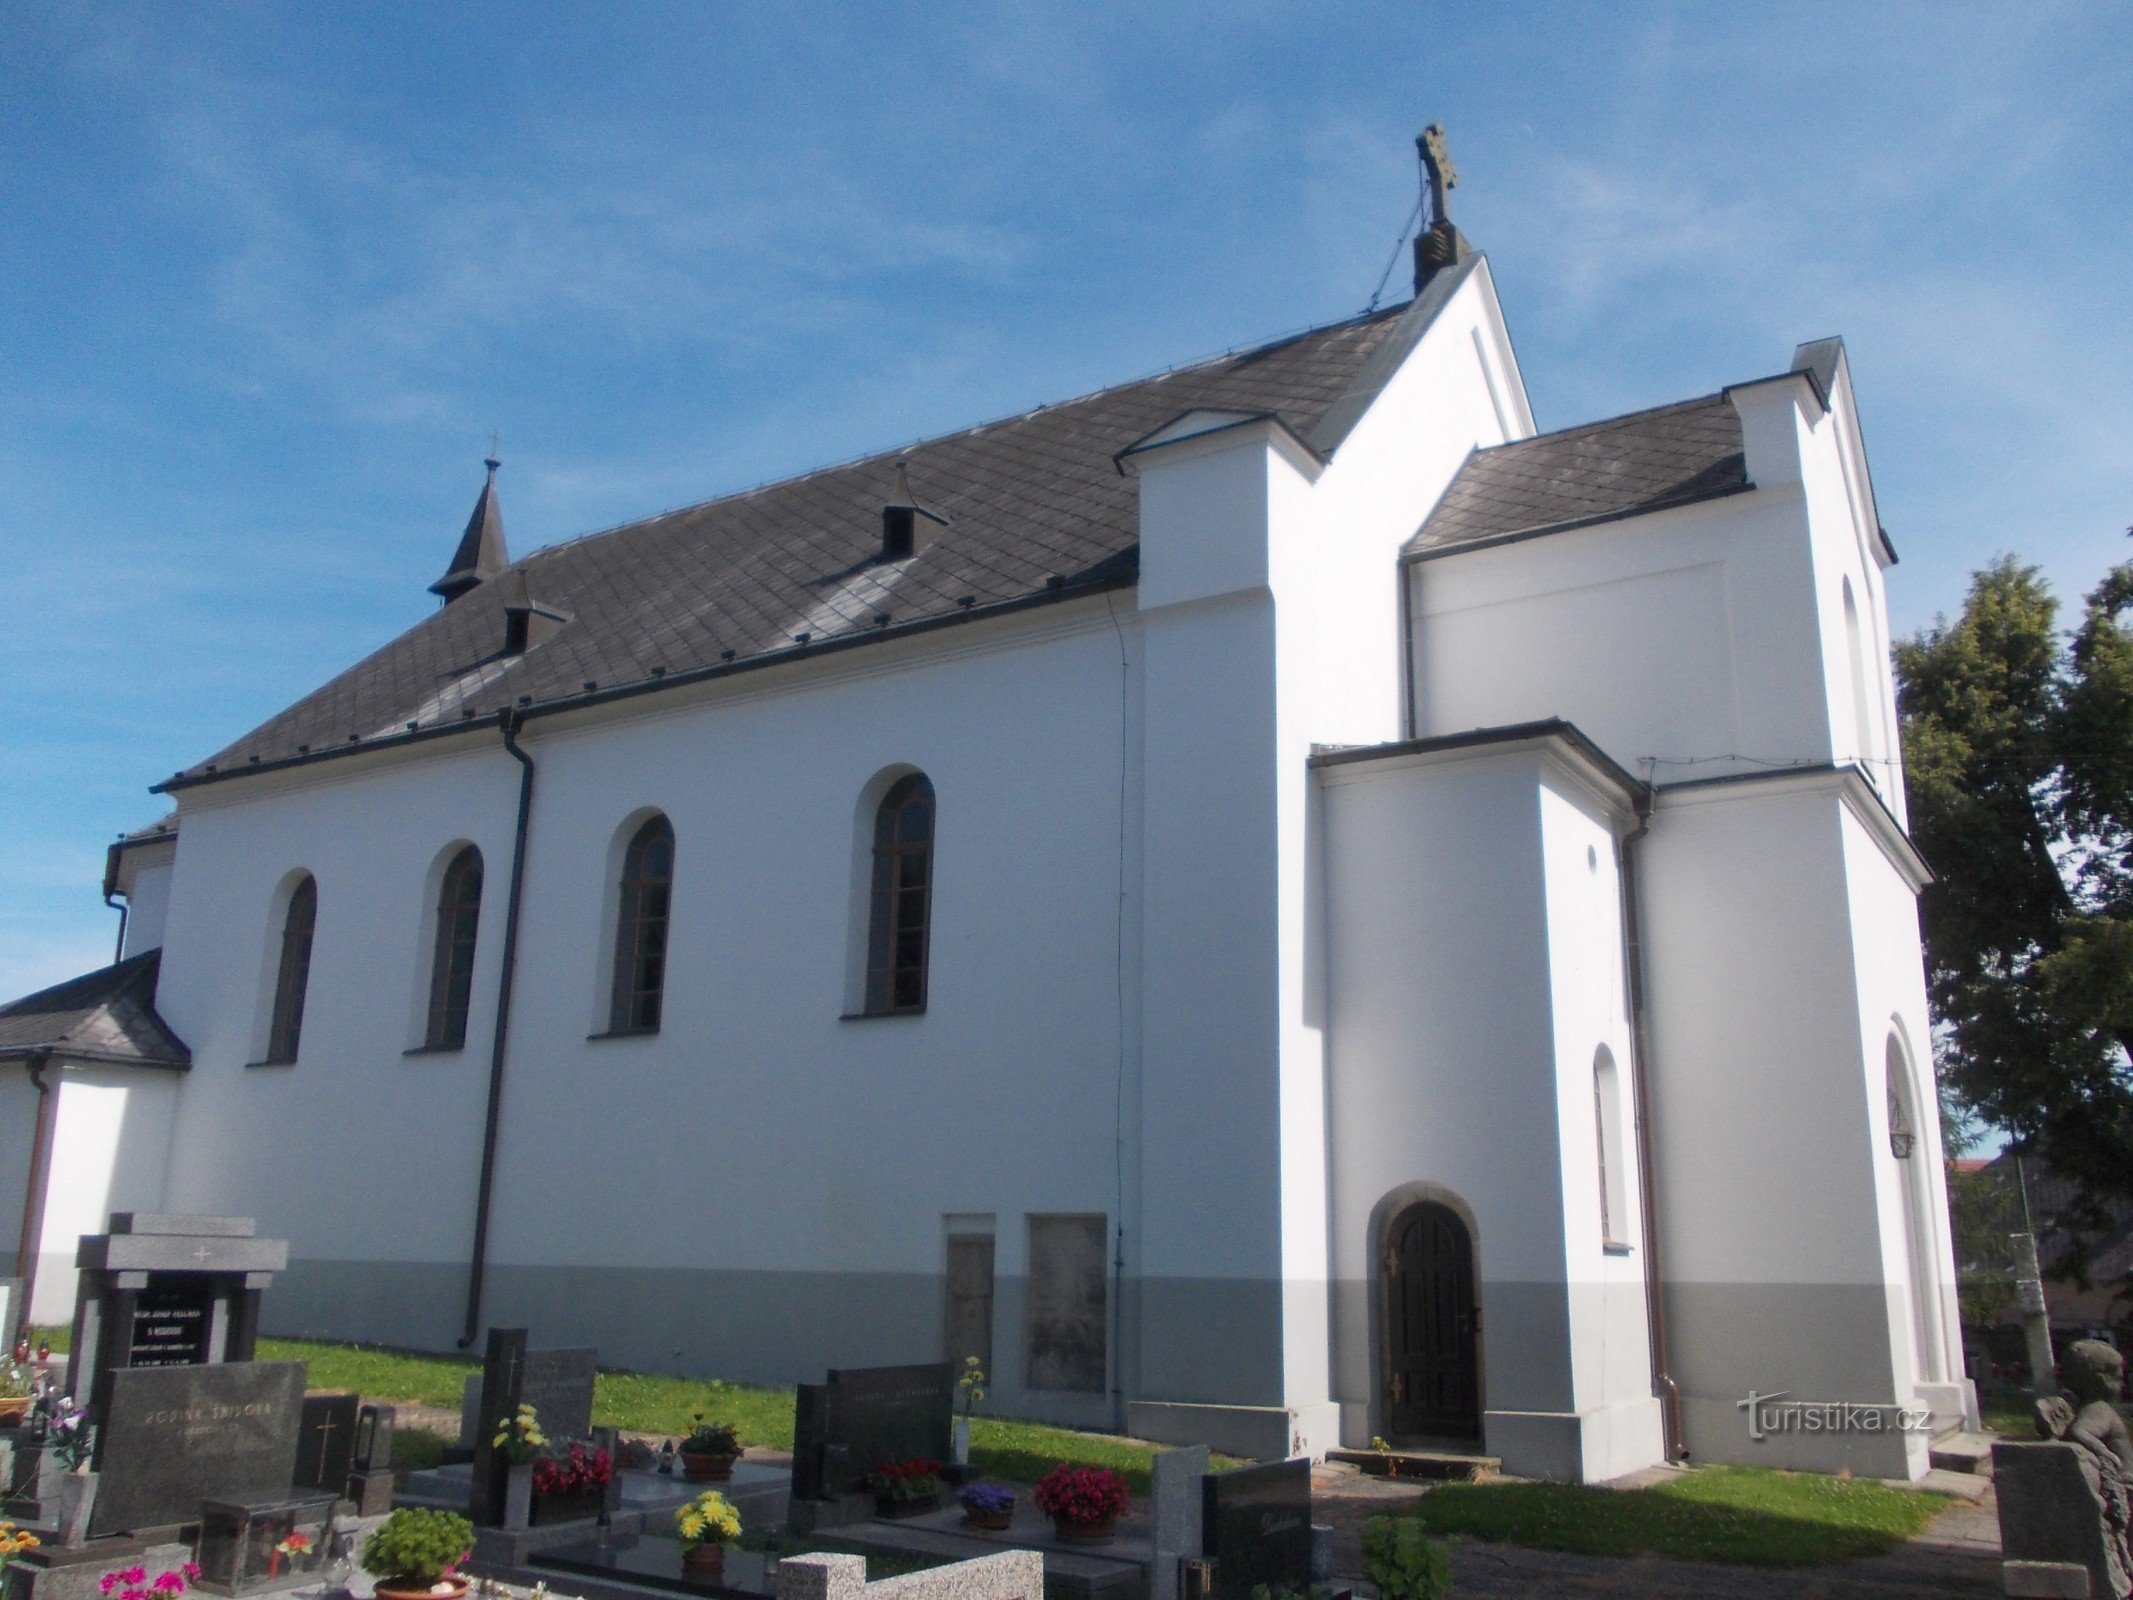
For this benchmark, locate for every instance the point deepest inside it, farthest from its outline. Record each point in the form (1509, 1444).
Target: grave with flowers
(182, 1470)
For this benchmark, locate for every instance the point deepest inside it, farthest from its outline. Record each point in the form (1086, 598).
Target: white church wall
(144, 879)
(1771, 1208)
(1917, 1245)
(1465, 999)
(1220, 513)
(716, 1197)
(110, 1149)
(1618, 1427)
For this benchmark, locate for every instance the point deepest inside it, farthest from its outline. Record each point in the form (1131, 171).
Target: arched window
(1865, 745)
(452, 964)
(641, 929)
(1607, 1123)
(293, 972)
(900, 909)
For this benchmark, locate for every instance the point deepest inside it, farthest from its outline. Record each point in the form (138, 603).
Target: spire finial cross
(1437, 169)
(496, 449)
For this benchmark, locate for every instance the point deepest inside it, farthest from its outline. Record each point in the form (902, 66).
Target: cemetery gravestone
(558, 1384)
(177, 1436)
(1177, 1503)
(167, 1291)
(862, 1417)
(326, 1438)
(1256, 1528)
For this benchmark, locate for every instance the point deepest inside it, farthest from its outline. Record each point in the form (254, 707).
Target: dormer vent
(526, 620)
(906, 526)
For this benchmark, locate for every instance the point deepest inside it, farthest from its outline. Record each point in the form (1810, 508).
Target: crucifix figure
(1438, 244)
(1437, 170)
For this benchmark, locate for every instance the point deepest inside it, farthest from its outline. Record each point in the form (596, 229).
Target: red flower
(1082, 1494)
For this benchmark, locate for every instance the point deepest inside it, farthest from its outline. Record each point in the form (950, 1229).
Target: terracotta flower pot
(697, 1468)
(704, 1560)
(1102, 1532)
(990, 1521)
(453, 1587)
(13, 1410)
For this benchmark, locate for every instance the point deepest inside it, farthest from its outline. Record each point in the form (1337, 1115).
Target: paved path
(1956, 1558)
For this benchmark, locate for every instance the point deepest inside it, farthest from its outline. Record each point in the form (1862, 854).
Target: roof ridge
(1604, 422)
(1257, 347)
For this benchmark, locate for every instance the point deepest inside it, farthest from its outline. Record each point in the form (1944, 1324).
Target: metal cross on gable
(1437, 166)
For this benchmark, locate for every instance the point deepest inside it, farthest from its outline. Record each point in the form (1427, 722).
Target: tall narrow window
(292, 973)
(641, 929)
(901, 906)
(452, 966)
(1607, 1124)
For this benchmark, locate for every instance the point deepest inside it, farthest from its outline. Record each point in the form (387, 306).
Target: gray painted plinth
(1176, 1502)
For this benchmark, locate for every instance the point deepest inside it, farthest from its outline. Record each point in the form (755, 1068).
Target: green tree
(2018, 748)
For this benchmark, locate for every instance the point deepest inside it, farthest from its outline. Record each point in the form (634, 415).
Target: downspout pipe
(509, 723)
(125, 910)
(33, 1192)
(1663, 1384)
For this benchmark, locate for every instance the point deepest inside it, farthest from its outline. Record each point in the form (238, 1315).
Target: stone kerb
(1010, 1575)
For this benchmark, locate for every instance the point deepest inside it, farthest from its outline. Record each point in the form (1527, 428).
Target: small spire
(481, 554)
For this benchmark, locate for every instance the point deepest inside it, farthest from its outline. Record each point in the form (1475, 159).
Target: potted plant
(572, 1485)
(706, 1527)
(13, 1541)
(987, 1505)
(907, 1488)
(970, 1390)
(16, 1393)
(415, 1555)
(1084, 1503)
(708, 1454)
(518, 1441)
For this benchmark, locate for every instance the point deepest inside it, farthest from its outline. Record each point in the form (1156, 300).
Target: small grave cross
(325, 1430)
(202, 1253)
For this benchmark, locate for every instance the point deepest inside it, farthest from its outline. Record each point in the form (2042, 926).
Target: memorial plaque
(325, 1444)
(558, 1384)
(176, 1436)
(172, 1318)
(1256, 1528)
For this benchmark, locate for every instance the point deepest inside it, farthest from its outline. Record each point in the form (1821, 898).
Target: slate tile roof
(108, 1015)
(1037, 508)
(1622, 467)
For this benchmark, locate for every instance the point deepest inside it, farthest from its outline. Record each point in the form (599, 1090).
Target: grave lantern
(245, 1549)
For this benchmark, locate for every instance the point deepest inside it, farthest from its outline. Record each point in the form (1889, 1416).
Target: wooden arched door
(1432, 1325)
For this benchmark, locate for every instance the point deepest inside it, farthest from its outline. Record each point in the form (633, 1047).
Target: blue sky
(270, 274)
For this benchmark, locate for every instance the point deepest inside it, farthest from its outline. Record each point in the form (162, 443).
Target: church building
(1275, 904)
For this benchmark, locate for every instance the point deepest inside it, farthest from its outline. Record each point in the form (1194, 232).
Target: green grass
(1746, 1515)
(642, 1402)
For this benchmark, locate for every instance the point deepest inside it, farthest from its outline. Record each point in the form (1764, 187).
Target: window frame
(634, 1005)
(292, 974)
(457, 933)
(896, 976)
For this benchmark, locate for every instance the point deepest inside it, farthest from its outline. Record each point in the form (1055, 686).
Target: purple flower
(987, 1497)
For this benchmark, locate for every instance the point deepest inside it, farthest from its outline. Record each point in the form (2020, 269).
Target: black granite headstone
(864, 1417)
(175, 1436)
(1256, 1527)
(325, 1445)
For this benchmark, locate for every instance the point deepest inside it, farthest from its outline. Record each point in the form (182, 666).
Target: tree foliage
(2018, 748)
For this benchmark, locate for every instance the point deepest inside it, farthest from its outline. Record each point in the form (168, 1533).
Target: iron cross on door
(1433, 1327)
